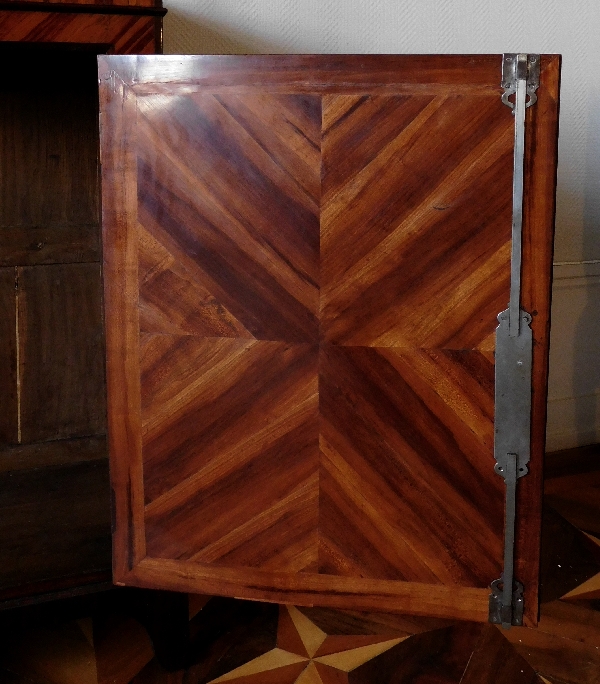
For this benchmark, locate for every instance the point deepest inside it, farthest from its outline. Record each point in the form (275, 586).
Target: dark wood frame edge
(75, 8)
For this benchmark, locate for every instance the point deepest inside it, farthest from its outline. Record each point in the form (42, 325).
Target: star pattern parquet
(305, 654)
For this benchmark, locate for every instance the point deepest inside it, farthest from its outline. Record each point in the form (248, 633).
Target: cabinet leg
(165, 615)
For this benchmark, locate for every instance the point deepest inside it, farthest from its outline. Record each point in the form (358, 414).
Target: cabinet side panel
(73, 540)
(538, 241)
(49, 145)
(229, 265)
(60, 352)
(8, 357)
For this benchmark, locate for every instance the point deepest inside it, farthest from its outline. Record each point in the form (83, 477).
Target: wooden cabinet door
(304, 258)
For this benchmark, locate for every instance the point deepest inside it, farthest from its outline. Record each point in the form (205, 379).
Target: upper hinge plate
(520, 66)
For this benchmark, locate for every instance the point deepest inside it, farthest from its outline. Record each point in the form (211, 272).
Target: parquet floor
(254, 643)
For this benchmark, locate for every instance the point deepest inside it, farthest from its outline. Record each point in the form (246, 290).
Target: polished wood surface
(55, 496)
(131, 7)
(118, 32)
(49, 208)
(304, 260)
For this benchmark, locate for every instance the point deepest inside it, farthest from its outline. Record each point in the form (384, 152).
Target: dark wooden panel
(54, 522)
(53, 453)
(8, 357)
(51, 245)
(61, 352)
(49, 197)
(49, 149)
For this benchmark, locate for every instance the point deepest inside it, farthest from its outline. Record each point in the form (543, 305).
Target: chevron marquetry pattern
(407, 483)
(319, 280)
(415, 221)
(229, 314)
(240, 210)
(231, 450)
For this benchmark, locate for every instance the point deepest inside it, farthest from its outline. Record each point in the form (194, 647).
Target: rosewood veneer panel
(415, 217)
(407, 484)
(231, 470)
(239, 212)
(304, 258)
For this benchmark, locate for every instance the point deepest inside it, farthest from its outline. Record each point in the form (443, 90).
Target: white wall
(466, 26)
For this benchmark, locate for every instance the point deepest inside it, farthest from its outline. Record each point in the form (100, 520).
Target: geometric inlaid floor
(262, 643)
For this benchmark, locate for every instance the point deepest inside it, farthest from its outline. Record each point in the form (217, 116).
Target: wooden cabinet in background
(54, 493)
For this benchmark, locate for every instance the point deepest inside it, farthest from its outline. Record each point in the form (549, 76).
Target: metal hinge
(514, 343)
(516, 67)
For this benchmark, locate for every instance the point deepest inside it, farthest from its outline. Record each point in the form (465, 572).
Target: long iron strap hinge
(514, 343)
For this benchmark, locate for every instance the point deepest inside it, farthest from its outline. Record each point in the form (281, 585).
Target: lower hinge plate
(506, 615)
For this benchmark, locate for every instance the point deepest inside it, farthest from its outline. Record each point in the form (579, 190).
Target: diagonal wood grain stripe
(236, 211)
(288, 129)
(264, 516)
(188, 418)
(231, 467)
(173, 301)
(399, 233)
(407, 482)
